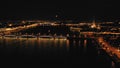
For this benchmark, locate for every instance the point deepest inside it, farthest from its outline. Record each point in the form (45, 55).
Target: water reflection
(32, 42)
(67, 45)
(45, 50)
(85, 43)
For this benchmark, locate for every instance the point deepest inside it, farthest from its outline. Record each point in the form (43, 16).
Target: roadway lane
(108, 48)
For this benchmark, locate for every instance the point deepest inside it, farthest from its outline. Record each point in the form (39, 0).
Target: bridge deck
(109, 49)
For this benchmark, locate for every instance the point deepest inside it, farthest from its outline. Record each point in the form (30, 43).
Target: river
(51, 52)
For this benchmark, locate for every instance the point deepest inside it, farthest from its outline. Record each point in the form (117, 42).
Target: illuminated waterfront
(53, 34)
(53, 43)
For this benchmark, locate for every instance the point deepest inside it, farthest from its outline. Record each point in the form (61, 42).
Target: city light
(53, 35)
(10, 25)
(93, 25)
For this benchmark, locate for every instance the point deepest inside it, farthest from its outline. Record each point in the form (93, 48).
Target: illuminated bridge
(112, 52)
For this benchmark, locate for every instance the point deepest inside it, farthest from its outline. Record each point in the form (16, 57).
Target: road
(16, 29)
(108, 48)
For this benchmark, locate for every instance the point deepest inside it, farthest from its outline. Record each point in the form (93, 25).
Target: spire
(93, 23)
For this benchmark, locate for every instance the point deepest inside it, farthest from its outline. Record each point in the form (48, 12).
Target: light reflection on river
(28, 46)
(49, 51)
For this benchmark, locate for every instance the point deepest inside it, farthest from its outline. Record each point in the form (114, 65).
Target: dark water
(51, 53)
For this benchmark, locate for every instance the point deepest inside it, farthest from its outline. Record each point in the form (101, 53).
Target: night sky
(105, 9)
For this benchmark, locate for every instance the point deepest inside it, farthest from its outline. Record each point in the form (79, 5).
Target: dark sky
(65, 9)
